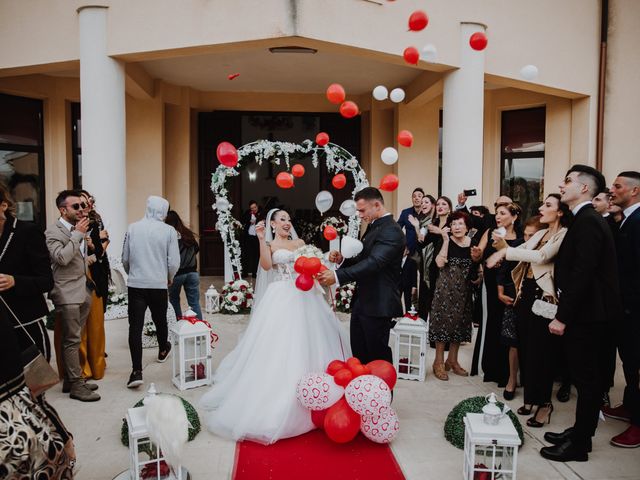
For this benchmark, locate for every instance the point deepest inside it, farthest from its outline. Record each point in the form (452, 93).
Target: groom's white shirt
(334, 272)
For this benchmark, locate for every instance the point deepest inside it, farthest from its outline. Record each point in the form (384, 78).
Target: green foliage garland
(454, 425)
(192, 417)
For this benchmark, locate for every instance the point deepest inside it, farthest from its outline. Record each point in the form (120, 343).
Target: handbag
(38, 373)
(544, 308)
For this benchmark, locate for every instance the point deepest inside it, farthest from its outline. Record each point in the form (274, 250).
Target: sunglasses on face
(78, 206)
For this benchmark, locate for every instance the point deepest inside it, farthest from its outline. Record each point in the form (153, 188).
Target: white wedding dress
(290, 333)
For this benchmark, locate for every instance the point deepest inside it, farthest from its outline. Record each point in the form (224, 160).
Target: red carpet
(314, 457)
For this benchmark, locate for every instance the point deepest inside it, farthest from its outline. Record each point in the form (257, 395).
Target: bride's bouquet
(340, 225)
(309, 251)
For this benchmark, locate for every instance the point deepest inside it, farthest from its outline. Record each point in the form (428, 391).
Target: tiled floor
(422, 407)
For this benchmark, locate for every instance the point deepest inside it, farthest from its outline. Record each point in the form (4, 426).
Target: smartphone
(472, 232)
(470, 193)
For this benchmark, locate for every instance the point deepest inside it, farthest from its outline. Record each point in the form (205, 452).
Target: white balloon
(382, 429)
(368, 395)
(389, 156)
(324, 200)
(317, 391)
(529, 72)
(380, 93)
(430, 53)
(397, 95)
(350, 247)
(222, 204)
(348, 208)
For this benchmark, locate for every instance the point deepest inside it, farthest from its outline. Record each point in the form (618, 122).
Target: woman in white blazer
(533, 278)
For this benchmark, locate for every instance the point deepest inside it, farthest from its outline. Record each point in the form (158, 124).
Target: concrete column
(462, 129)
(102, 97)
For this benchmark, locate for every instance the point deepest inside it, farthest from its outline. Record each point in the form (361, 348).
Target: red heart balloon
(389, 182)
(349, 109)
(322, 139)
(358, 370)
(342, 377)
(339, 181)
(411, 55)
(304, 282)
(384, 370)
(284, 180)
(297, 170)
(330, 233)
(341, 423)
(405, 138)
(334, 366)
(418, 21)
(336, 93)
(298, 266)
(227, 154)
(312, 266)
(478, 41)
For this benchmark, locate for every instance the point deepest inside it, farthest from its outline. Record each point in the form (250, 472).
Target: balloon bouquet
(350, 397)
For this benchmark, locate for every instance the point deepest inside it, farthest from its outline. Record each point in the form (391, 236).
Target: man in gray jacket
(151, 257)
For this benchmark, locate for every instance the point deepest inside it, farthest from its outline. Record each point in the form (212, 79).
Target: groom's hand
(326, 278)
(335, 257)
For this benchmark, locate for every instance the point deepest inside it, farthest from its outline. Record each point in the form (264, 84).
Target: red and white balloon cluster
(350, 397)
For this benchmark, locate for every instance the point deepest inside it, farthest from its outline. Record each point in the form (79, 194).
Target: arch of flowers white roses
(337, 159)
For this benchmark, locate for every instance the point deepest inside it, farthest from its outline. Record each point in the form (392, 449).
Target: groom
(376, 271)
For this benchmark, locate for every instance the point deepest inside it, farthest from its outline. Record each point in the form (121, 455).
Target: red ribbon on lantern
(194, 320)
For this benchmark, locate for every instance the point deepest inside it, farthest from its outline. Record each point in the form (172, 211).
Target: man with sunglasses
(71, 292)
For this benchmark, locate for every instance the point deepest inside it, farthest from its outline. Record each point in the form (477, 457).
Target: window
(22, 156)
(522, 158)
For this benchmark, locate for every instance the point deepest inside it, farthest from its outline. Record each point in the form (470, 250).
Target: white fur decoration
(168, 426)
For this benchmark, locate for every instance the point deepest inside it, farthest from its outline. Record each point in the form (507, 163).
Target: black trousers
(629, 349)
(370, 336)
(139, 299)
(538, 349)
(250, 255)
(588, 348)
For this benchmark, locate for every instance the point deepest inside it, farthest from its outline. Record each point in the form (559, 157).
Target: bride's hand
(260, 230)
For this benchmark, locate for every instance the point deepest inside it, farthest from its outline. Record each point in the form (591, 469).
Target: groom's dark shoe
(568, 451)
(559, 438)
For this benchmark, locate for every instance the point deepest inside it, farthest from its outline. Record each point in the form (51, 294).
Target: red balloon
(298, 266)
(323, 268)
(418, 21)
(304, 282)
(478, 41)
(342, 377)
(297, 170)
(336, 93)
(334, 366)
(312, 266)
(284, 180)
(411, 55)
(227, 154)
(330, 233)
(317, 417)
(339, 181)
(389, 182)
(353, 361)
(358, 370)
(405, 138)
(322, 139)
(349, 109)
(341, 423)
(384, 370)
(233, 75)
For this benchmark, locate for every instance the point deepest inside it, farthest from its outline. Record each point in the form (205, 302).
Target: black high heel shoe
(532, 422)
(507, 395)
(524, 410)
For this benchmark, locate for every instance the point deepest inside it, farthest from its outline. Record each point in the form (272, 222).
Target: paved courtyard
(422, 407)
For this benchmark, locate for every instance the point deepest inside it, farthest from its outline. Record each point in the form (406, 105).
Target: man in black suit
(586, 277)
(625, 193)
(376, 271)
(408, 279)
(250, 245)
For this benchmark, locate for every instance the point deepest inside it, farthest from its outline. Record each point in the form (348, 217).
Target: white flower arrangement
(340, 225)
(344, 297)
(308, 251)
(236, 297)
(337, 159)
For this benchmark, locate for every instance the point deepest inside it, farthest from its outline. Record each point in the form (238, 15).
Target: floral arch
(336, 158)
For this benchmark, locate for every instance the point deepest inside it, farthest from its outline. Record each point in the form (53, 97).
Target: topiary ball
(454, 425)
(192, 417)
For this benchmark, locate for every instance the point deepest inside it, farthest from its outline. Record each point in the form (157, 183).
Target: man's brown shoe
(79, 391)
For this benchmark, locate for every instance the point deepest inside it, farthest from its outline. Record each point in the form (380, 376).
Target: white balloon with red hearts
(317, 391)
(381, 429)
(368, 395)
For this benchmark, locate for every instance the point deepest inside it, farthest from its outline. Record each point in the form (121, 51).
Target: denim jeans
(191, 283)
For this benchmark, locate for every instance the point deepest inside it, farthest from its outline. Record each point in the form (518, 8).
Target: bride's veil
(265, 277)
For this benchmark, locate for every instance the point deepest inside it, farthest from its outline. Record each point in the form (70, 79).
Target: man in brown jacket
(71, 295)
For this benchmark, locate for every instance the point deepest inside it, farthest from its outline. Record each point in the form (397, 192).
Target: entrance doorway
(257, 182)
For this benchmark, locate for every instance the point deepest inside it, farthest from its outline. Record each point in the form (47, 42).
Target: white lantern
(490, 451)
(145, 458)
(191, 343)
(410, 342)
(211, 300)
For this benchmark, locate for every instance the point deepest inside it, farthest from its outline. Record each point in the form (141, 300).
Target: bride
(290, 333)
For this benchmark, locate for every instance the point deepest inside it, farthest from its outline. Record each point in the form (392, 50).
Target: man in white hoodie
(151, 257)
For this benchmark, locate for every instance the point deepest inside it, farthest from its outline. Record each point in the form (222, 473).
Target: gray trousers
(73, 317)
